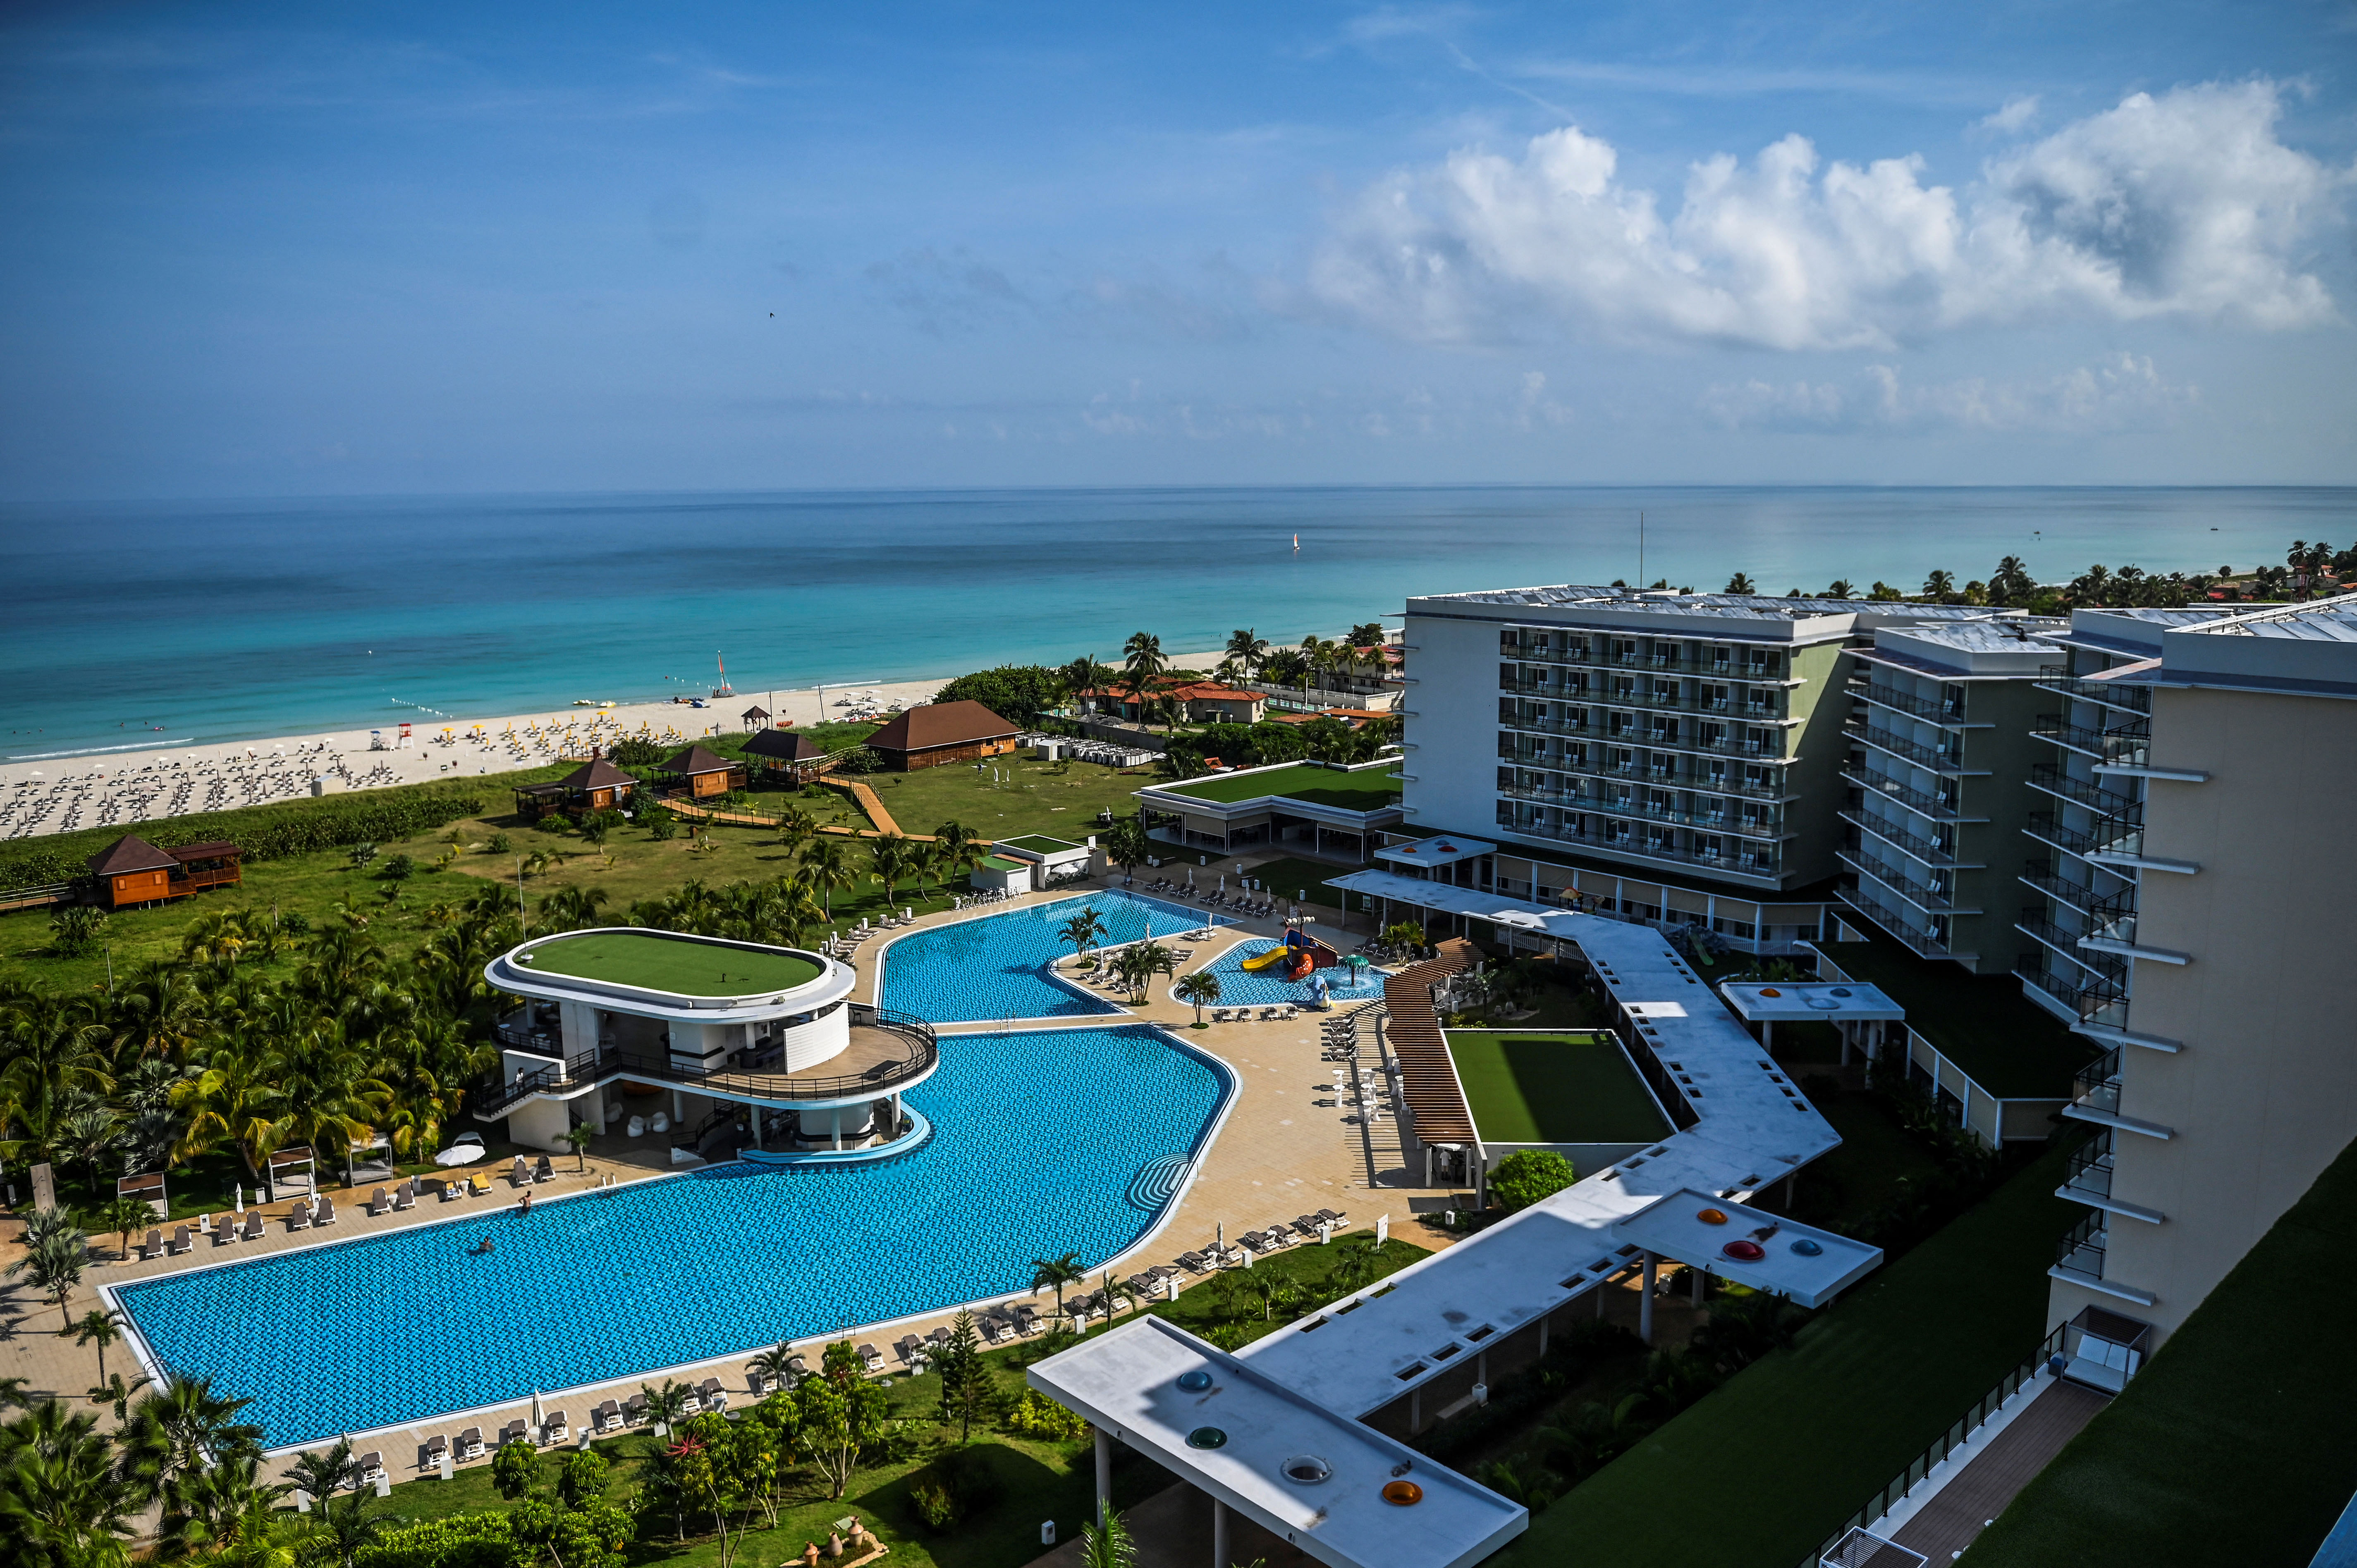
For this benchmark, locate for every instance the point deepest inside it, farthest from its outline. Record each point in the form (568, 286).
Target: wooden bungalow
(936, 733)
(697, 773)
(755, 717)
(783, 756)
(596, 786)
(132, 871)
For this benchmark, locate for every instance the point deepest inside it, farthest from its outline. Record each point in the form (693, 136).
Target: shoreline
(123, 787)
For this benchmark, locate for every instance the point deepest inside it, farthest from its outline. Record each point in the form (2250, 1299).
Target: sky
(355, 249)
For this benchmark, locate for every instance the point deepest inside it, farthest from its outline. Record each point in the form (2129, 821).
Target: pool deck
(1279, 1154)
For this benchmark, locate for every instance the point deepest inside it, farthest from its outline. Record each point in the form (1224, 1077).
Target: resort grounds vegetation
(1321, 739)
(1066, 799)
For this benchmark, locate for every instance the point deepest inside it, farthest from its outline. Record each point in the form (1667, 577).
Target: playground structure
(1296, 958)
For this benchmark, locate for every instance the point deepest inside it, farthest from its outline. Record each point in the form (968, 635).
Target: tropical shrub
(1039, 1417)
(1526, 1175)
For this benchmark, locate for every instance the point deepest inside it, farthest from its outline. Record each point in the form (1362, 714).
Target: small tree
(515, 1468)
(102, 1329)
(360, 854)
(1055, 1273)
(125, 1215)
(1106, 1543)
(1126, 844)
(1527, 1176)
(964, 1377)
(1082, 931)
(54, 1264)
(75, 929)
(841, 1414)
(1201, 989)
(579, 1136)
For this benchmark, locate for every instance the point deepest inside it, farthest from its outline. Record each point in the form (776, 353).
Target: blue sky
(318, 249)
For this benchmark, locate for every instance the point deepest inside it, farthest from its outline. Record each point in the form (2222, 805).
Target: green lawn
(1059, 799)
(1763, 1468)
(2238, 1442)
(1289, 876)
(1554, 1088)
(1362, 789)
(1843, 1189)
(1039, 843)
(2010, 1046)
(654, 960)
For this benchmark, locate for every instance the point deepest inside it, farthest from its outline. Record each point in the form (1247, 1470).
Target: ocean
(199, 621)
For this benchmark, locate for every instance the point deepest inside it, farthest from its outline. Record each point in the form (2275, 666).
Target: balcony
(1771, 750)
(1599, 656)
(2080, 1253)
(2039, 874)
(1707, 821)
(2114, 918)
(1745, 863)
(2102, 802)
(1912, 845)
(2045, 827)
(2098, 1001)
(1917, 938)
(2128, 746)
(2127, 699)
(1946, 713)
(1697, 781)
(1914, 800)
(2096, 1086)
(1931, 900)
(1927, 757)
(2088, 1175)
(2034, 923)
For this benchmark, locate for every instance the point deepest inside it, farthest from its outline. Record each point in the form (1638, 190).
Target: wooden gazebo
(697, 773)
(755, 717)
(131, 871)
(596, 786)
(783, 753)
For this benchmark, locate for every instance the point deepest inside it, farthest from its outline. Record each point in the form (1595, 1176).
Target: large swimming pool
(995, 966)
(1046, 1141)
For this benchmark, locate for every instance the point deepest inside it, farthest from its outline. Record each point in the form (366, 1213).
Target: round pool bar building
(716, 1043)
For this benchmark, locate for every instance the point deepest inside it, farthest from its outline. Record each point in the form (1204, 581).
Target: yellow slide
(1262, 961)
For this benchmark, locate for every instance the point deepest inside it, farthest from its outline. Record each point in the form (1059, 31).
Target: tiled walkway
(1947, 1523)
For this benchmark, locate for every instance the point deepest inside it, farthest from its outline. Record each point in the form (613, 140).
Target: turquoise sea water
(408, 1324)
(223, 620)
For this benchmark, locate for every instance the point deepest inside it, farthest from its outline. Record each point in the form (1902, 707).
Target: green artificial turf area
(2011, 1047)
(1037, 843)
(2237, 1443)
(1365, 790)
(654, 961)
(1554, 1088)
(1762, 1470)
(1010, 796)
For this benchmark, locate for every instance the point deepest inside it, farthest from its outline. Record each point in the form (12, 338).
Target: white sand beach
(103, 790)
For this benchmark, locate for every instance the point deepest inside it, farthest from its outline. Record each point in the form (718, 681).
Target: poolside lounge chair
(252, 1225)
(1027, 1321)
(379, 1202)
(515, 1431)
(520, 1175)
(181, 1241)
(995, 1327)
(479, 1184)
(543, 1171)
(155, 1246)
(437, 1449)
(229, 1228)
(404, 1196)
(1195, 1262)
(870, 1357)
(606, 1417)
(470, 1443)
(555, 1429)
(327, 1215)
(634, 1409)
(911, 1349)
(370, 1468)
(299, 1217)
(1332, 1216)
(710, 1395)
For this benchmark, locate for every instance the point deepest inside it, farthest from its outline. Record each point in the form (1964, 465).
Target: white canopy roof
(1798, 1002)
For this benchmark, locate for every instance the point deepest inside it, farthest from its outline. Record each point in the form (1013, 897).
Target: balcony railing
(2102, 802)
(2096, 1086)
(2128, 745)
(2130, 699)
(2033, 921)
(2114, 918)
(1599, 656)
(2097, 1001)
(2081, 1250)
(1913, 845)
(1746, 862)
(1945, 713)
(2088, 1172)
(1689, 743)
(1708, 822)
(2040, 875)
(2047, 828)
(1914, 800)
(1921, 756)
(1927, 898)
(1917, 937)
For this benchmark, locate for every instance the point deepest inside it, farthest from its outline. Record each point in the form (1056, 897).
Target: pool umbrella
(240, 1198)
(537, 1423)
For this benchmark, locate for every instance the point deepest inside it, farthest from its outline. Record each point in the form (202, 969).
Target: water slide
(1264, 960)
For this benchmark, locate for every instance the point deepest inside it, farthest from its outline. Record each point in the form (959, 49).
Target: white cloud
(2185, 204)
(2123, 392)
(2018, 111)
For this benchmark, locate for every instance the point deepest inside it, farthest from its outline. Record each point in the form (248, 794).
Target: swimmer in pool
(481, 1247)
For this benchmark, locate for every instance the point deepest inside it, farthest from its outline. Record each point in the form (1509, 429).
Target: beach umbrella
(537, 1421)
(240, 1198)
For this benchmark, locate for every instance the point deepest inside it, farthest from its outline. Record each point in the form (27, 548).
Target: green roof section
(662, 960)
(1552, 1086)
(2005, 1042)
(1361, 789)
(1039, 843)
(2238, 1442)
(1000, 862)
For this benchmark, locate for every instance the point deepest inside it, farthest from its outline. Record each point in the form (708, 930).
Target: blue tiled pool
(995, 966)
(405, 1325)
(1240, 987)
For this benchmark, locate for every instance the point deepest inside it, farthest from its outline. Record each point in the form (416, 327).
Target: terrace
(1331, 809)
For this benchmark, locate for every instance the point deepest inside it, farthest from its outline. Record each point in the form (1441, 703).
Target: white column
(835, 1115)
(1105, 1474)
(1645, 1301)
(1220, 1556)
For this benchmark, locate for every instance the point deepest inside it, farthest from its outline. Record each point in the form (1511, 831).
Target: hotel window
(1722, 659)
(1712, 847)
(1755, 777)
(1624, 689)
(1624, 650)
(1623, 759)
(1665, 690)
(1621, 724)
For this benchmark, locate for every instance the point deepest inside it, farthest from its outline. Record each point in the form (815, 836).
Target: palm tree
(827, 861)
(326, 1473)
(1140, 963)
(1939, 586)
(1739, 583)
(1142, 656)
(63, 1501)
(580, 1135)
(102, 1329)
(888, 862)
(1841, 588)
(230, 1517)
(1106, 1543)
(1055, 1273)
(666, 1404)
(1082, 931)
(54, 1265)
(1247, 648)
(796, 828)
(1200, 988)
(569, 909)
(775, 1365)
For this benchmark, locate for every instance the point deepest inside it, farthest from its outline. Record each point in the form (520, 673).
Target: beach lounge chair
(299, 1217)
(479, 1184)
(606, 1417)
(470, 1443)
(1027, 1321)
(870, 1357)
(555, 1429)
(327, 1215)
(520, 1175)
(515, 1431)
(1195, 1262)
(229, 1228)
(634, 1409)
(1332, 1216)
(404, 1196)
(155, 1246)
(252, 1225)
(910, 1349)
(437, 1449)
(369, 1467)
(379, 1202)
(710, 1395)
(995, 1327)
(181, 1241)
(543, 1171)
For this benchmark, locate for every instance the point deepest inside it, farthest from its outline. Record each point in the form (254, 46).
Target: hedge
(461, 1541)
(266, 832)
